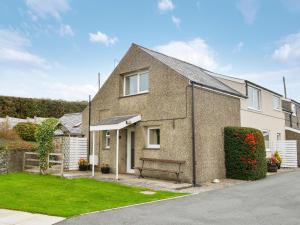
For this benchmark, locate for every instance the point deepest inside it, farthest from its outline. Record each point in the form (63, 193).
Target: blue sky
(55, 48)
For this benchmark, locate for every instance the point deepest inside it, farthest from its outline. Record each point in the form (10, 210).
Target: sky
(55, 48)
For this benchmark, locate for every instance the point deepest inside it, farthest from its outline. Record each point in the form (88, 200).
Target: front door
(130, 150)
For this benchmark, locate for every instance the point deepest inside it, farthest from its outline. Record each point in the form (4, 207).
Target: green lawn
(63, 197)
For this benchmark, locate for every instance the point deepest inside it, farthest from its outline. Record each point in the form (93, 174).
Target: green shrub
(44, 137)
(245, 153)
(26, 130)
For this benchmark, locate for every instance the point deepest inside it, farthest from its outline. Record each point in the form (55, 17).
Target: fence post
(24, 161)
(62, 165)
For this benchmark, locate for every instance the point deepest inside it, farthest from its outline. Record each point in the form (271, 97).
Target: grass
(58, 196)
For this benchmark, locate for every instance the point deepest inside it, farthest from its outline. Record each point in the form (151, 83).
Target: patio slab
(12, 217)
(132, 180)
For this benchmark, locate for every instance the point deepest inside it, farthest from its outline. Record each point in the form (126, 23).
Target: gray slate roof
(114, 120)
(71, 124)
(193, 73)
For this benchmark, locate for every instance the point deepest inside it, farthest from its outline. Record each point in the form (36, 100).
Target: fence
(31, 159)
(11, 121)
(288, 152)
(74, 148)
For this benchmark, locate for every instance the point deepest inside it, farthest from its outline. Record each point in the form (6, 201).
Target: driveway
(274, 200)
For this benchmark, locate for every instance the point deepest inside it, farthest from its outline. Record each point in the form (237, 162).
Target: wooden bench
(166, 161)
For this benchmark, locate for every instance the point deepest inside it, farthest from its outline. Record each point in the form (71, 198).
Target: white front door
(130, 150)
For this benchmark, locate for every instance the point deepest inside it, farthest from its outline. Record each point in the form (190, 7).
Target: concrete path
(12, 217)
(274, 200)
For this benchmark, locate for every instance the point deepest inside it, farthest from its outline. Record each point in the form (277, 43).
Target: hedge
(30, 107)
(26, 130)
(245, 153)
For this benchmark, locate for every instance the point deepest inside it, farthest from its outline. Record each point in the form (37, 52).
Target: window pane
(267, 138)
(293, 109)
(154, 136)
(278, 136)
(144, 82)
(253, 98)
(131, 85)
(250, 96)
(276, 102)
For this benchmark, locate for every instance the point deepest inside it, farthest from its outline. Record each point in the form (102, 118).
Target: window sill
(149, 148)
(127, 96)
(104, 149)
(253, 109)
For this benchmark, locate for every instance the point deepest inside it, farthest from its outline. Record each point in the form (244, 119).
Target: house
(291, 110)
(261, 110)
(159, 107)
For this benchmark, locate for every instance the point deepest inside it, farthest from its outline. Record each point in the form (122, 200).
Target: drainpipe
(193, 137)
(89, 137)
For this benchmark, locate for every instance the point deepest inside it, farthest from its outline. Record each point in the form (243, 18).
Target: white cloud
(14, 49)
(102, 38)
(66, 30)
(289, 50)
(45, 8)
(248, 8)
(176, 21)
(238, 47)
(165, 5)
(195, 51)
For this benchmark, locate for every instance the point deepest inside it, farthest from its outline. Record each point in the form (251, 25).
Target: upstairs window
(136, 83)
(254, 97)
(153, 137)
(293, 109)
(276, 103)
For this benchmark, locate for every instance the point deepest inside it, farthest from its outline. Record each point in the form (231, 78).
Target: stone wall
(11, 160)
(3, 161)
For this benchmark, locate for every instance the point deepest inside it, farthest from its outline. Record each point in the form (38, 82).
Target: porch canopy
(113, 123)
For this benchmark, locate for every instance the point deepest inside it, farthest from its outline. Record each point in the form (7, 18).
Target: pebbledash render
(150, 95)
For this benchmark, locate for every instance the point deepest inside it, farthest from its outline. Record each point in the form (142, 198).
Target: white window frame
(274, 100)
(294, 109)
(148, 138)
(268, 133)
(259, 99)
(138, 74)
(278, 135)
(107, 137)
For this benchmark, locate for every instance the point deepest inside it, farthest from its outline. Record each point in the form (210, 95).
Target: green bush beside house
(245, 153)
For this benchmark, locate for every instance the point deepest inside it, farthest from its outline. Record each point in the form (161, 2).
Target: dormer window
(137, 83)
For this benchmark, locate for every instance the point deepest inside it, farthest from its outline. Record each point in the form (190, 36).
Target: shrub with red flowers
(244, 153)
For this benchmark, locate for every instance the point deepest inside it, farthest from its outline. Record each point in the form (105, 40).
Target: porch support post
(93, 164)
(117, 156)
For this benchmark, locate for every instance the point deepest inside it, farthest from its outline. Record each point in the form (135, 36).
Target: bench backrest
(163, 160)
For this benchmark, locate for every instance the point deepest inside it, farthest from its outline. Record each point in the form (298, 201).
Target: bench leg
(177, 176)
(141, 175)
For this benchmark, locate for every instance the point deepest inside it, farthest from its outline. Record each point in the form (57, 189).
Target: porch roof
(115, 123)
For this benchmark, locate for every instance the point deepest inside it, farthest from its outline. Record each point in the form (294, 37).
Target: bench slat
(160, 170)
(163, 160)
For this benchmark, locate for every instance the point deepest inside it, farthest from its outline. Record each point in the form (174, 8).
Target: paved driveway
(274, 200)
